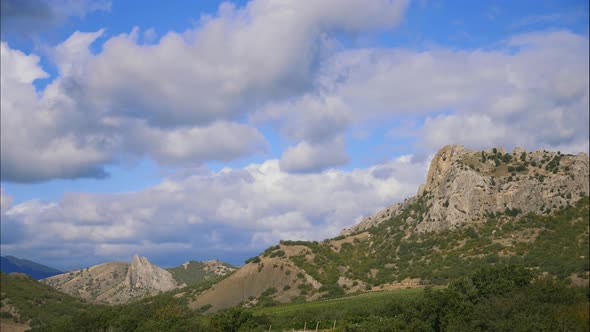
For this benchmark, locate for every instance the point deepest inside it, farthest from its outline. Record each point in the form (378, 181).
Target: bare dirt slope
(255, 278)
(8, 325)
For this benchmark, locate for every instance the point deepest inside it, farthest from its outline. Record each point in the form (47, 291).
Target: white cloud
(5, 201)
(38, 137)
(306, 157)
(221, 141)
(227, 64)
(237, 210)
(532, 92)
(176, 92)
(314, 118)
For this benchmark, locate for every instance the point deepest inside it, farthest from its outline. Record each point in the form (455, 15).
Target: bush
(254, 259)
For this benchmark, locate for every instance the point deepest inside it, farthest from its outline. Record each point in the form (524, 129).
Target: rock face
(115, 282)
(463, 186)
(143, 274)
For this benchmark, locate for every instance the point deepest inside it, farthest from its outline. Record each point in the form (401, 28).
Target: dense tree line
(502, 298)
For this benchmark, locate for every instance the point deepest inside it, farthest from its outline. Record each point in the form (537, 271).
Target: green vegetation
(194, 273)
(35, 303)
(294, 316)
(254, 260)
(496, 298)
(557, 244)
(500, 297)
(526, 268)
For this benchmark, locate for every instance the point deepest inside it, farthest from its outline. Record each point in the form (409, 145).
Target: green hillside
(499, 298)
(195, 272)
(26, 300)
(299, 315)
(557, 244)
(526, 271)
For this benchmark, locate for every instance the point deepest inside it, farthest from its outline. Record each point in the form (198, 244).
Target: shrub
(254, 259)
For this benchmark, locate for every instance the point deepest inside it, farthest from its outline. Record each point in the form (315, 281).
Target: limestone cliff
(463, 186)
(115, 282)
(143, 274)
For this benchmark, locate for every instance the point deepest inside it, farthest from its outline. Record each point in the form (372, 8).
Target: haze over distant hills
(9, 264)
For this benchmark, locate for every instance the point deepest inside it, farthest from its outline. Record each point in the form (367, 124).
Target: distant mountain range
(9, 264)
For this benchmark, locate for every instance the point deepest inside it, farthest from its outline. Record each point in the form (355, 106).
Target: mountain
(9, 264)
(194, 272)
(121, 282)
(476, 208)
(464, 187)
(28, 303)
(115, 282)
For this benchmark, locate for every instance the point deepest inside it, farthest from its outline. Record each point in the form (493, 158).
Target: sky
(197, 130)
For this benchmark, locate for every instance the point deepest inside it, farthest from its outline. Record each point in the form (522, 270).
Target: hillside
(464, 186)
(115, 282)
(26, 302)
(476, 209)
(194, 272)
(9, 264)
(121, 282)
(495, 298)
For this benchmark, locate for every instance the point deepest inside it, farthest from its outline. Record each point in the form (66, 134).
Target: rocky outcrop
(217, 268)
(143, 274)
(463, 186)
(115, 282)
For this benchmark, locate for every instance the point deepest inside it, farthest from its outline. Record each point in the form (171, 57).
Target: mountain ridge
(464, 186)
(471, 212)
(121, 282)
(10, 264)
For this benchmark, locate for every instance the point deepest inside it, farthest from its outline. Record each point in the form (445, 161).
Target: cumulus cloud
(222, 141)
(31, 16)
(229, 63)
(39, 138)
(306, 157)
(169, 99)
(532, 91)
(51, 135)
(208, 215)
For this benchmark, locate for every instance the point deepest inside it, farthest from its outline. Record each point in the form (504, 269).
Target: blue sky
(117, 105)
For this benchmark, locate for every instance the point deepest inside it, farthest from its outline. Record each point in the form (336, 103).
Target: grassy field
(294, 316)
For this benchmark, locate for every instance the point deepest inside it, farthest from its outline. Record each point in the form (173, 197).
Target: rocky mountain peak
(440, 165)
(143, 274)
(463, 186)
